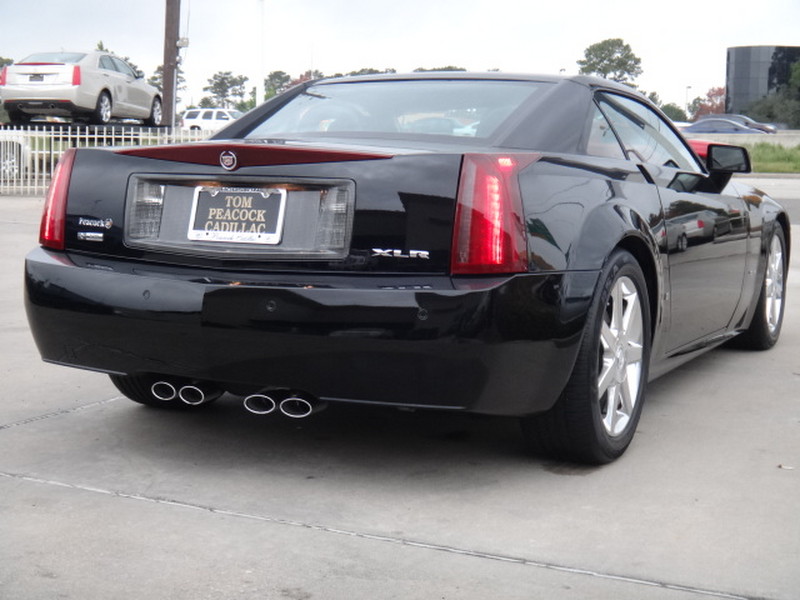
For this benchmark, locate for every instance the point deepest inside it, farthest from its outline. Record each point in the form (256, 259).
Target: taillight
(489, 232)
(700, 224)
(76, 75)
(3, 75)
(51, 232)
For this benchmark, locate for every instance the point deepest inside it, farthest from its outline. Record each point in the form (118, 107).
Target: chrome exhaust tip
(260, 404)
(298, 407)
(164, 391)
(199, 392)
(193, 395)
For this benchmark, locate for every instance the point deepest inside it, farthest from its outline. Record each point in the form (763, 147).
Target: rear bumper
(61, 100)
(501, 347)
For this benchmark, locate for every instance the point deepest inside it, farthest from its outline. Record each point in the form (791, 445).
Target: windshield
(54, 57)
(456, 108)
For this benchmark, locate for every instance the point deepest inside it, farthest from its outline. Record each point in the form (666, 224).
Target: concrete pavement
(102, 498)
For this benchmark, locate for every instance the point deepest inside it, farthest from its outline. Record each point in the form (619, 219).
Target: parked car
(15, 156)
(95, 86)
(317, 251)
(718, 126)
(743, 120)
(209, 119)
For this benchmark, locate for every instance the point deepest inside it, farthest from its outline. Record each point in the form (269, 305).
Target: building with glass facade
(753, 72)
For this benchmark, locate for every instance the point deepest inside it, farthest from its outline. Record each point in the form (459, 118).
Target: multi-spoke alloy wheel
(596, 416)
(621, 346)
(773, 285)
(102, 111)
(765, 328)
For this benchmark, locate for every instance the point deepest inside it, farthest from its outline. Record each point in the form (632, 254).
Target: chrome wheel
(773, 285)
(595, 418)
(103, 108)
(156, 113)
(621, 357)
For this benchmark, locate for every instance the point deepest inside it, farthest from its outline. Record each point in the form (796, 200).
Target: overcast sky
(681, 42)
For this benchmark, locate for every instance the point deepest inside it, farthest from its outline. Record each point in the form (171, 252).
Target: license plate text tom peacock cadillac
(529, 246)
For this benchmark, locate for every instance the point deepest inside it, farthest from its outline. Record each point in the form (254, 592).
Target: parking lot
(103, 498)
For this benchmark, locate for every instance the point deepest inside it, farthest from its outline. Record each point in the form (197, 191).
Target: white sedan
(97, 86)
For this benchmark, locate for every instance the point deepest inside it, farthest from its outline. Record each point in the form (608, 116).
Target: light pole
(688, 87)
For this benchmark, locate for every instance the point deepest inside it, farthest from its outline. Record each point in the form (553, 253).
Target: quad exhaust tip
(193, 394)
(289, 403)
(260, 404)
(164, 391)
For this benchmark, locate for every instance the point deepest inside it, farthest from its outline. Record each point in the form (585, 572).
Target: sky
(681, 43)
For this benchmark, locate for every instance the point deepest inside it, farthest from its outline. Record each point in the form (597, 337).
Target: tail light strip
(52, 230)
(489, 234)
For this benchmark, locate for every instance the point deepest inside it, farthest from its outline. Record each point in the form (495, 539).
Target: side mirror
(727, 159)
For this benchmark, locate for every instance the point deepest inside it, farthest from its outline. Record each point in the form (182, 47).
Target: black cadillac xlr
(528, 246)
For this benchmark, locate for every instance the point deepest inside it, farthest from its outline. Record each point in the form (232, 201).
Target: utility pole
(170, 70)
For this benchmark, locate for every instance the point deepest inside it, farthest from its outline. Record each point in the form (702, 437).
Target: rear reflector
(489, 234)
(51, 232)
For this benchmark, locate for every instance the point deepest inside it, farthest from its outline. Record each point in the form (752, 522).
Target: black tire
(139, 389)
(765, 328)
(156, 114)
(17, 117)
(102, 110)
(683, 243)
(584, 426)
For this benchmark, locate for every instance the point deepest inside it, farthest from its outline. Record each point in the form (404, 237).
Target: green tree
(157, 79)
(102, 48)
(275, 83)
(782, 106)
(612, 59)
(225, 88)
(3, 62)
(371, 71)
(675, 112)
(447, 68)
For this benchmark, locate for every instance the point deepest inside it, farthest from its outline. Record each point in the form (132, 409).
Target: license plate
(237, 215)
(37, 77)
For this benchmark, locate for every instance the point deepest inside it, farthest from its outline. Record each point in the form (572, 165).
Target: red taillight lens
(76, 75)
(700, 224)
(51, 232)
(489, 234)
(3, 75)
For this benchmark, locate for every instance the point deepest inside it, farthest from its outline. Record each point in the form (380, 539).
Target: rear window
(54, 57)
(455, 108)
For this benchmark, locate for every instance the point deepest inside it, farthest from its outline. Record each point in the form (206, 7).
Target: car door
(115, 82)
(138, 98)
(706, 265)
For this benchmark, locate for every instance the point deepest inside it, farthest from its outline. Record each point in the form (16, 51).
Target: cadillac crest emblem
(228, 160)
